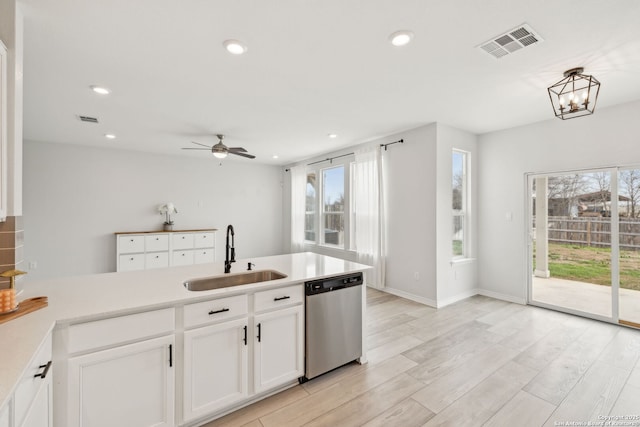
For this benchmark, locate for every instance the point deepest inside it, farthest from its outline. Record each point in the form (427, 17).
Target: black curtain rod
(330, 159)
(400, 141)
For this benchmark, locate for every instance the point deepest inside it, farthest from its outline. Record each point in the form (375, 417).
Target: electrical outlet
(33, 265)
(416, 276)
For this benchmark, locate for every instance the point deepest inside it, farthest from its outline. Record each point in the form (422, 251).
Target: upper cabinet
(3, 132)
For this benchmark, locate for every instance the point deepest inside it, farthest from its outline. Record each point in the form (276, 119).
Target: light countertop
(83, 298)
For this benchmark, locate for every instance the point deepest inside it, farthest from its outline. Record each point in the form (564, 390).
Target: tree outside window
(459, 203)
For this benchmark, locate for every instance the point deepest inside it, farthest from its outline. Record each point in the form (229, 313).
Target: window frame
(348, 210)
(464, 212)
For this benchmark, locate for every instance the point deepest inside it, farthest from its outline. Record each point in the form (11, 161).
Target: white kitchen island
(114, 326)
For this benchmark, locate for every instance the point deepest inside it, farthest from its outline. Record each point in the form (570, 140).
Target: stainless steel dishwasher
(333, 323)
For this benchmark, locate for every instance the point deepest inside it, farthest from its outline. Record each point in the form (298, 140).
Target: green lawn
(593, 265)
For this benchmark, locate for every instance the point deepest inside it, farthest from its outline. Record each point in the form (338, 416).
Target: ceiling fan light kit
(575, 95)
(220, 151)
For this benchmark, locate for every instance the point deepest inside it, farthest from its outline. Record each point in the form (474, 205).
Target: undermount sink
(217, 282)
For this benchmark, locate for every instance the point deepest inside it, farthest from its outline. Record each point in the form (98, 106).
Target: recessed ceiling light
(101, 90)
(401, 38)
(109, 136)
(332, 136)
(275, 156)
(234, 47)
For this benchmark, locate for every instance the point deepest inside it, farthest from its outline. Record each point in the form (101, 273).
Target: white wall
(418, 192)
(609, 137)
(76, 197)
(456, 280)
(410, 192)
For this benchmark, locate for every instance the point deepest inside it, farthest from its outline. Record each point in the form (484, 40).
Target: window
(310, 208)
(329, 210)
(460, 196)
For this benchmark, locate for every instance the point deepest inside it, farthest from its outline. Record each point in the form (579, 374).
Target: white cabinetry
(140, 251)
(217, 356)
(215, 367)
(5, 415)
(112, 381)
(279, 348)
(3, 133)
(32, 402)
(33, 397)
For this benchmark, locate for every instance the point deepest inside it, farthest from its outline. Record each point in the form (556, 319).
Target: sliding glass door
(629, 243)
(572, 258)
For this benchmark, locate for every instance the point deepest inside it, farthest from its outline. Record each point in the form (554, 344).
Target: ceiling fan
(220, 150)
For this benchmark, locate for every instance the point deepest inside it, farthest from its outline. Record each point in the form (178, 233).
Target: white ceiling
(313, 67)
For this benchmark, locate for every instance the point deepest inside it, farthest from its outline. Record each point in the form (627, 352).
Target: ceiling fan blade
(197, 143)
(237, 149)
(248, 156)
(189, 148)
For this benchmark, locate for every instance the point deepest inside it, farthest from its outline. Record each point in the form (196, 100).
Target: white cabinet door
(131, 262)
(201, 256)
(182, 241)
(279, 347)
(203, 240)
(5, 415)
(156, 260)
(215, 367)
(130, 244)
(4, 176)
(35, 378)
(40, 414)
(182, 257)
(127, 386)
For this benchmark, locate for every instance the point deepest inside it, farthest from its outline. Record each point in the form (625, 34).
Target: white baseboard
(455, 298)
(504, 297)
(409, 296)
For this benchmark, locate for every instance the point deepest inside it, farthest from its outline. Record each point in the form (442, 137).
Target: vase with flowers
(167, 209)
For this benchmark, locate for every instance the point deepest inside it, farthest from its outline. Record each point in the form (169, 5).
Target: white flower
(167, 209)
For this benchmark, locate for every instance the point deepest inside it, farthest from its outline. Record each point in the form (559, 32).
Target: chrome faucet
(230, 250)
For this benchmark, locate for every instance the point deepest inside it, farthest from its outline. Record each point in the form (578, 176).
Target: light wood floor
(479, 362)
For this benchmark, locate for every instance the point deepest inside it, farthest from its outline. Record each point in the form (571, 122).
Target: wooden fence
(593, 231)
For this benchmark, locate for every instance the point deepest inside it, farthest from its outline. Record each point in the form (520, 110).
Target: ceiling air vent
(511, 41)
(88, 119)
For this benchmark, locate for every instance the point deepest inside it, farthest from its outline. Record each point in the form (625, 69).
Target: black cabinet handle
(245, 334)
(44, 373)
(218, 311)
(281, 298)
(259, 333)
(170, 355)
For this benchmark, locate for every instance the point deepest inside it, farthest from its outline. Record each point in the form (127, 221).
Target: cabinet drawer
(32, 379)
(182, 241)
(130, 244)
(182, 257)
(131, 262)
(214, 310)
(107, 332)
(279, 297)
(203, 240)
(200, 256)
(156, 242)
(156, 260)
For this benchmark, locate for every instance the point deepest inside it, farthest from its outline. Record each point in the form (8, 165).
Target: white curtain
(369, 213)
(298, 195)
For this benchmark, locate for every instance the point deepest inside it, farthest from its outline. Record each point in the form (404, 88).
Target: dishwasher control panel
(333, 283)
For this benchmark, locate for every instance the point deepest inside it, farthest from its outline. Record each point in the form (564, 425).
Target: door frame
(615, 249)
